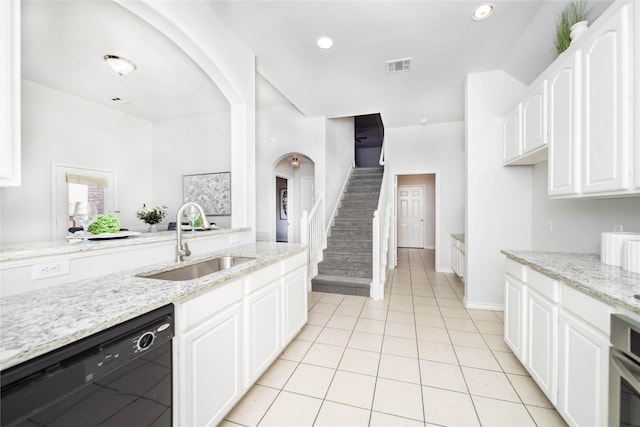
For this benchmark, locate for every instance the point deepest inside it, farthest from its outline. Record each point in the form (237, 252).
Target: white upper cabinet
(525, 128)
(606, 56)
(512, 134)
(10, 154)
(594, 143)
(583, 107)
(534, 123)
(635, 145)
(563, 110)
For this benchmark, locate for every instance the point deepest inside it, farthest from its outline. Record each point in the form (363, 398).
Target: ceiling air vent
(398, 65)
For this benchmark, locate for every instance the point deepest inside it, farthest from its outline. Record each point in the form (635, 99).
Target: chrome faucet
(182, 249)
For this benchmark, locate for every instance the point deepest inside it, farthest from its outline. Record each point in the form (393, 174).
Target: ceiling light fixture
(482, 12)
(120, 65)
(324, 43)
(295, 162)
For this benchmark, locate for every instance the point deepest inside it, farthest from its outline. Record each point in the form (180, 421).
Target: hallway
(416, 358)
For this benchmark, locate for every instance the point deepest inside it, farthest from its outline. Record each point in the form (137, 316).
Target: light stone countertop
(586, 273)
(21, 251)
(36, 322)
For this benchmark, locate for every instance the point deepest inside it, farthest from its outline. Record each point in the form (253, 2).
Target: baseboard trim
(482, 305)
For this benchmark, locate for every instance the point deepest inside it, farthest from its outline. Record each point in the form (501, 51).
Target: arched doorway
(294, 192)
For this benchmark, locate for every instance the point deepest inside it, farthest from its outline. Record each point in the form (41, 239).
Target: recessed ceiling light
(324, 43)
(482, 12)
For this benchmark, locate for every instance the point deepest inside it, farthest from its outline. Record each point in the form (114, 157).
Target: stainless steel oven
(624, 372)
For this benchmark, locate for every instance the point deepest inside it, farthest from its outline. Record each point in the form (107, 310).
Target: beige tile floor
(416, 358)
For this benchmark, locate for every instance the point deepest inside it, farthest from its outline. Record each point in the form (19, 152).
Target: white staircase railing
(313, 235)
(381, 235)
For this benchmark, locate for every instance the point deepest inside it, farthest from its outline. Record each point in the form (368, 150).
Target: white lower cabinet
(210, 370)
(583, 373)
(294, 296)
(227, 337)
(263, 342)
(542, 343)
(458, 257)
(460, 264)
(515, 315)
(561, 336)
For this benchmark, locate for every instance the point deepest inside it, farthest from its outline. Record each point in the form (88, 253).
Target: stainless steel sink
(199, 269)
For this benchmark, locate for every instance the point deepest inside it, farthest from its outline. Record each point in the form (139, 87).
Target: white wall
(340, 158)
(437, 148)
(186, 146)
(577, 223)
(498, 198)
(198, 30)
(281, 131)
(60, 128)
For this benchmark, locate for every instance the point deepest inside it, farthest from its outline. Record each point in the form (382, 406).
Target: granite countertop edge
(16, 252)
(586, 273)
(37, 322)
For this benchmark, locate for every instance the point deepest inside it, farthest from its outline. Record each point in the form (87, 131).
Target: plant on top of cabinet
(574, 13)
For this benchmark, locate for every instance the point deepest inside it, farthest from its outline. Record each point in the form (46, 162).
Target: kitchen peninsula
(262, 301)
(29, 266)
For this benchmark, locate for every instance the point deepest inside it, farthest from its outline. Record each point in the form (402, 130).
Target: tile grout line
(440, 291)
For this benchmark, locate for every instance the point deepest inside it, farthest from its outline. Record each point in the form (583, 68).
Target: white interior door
(411, 216)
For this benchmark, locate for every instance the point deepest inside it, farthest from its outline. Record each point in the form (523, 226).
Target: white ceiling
(350, 79)
(63, 44)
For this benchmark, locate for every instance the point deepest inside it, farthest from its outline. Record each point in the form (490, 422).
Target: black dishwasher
(117, 377)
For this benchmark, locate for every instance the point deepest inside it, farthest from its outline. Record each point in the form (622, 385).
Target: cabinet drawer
(587, 308)
(264, 276)
(199, 308)
(516, 269)
(544, 285)
(294, 262)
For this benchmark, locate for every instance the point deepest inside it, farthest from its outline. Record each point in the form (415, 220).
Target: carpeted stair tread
(348, 257)
(347, 266)
(342, 285)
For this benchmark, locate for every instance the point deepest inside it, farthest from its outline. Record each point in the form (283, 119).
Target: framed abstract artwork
(283, 203)
(212, 191)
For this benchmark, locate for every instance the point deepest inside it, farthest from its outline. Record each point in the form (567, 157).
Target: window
(74, 184)
(83, 188)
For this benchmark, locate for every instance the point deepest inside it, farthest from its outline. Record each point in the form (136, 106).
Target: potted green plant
(572, 23)
(152, 217)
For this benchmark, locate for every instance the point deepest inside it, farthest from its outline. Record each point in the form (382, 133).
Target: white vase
(578, 29)
(153, 228)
